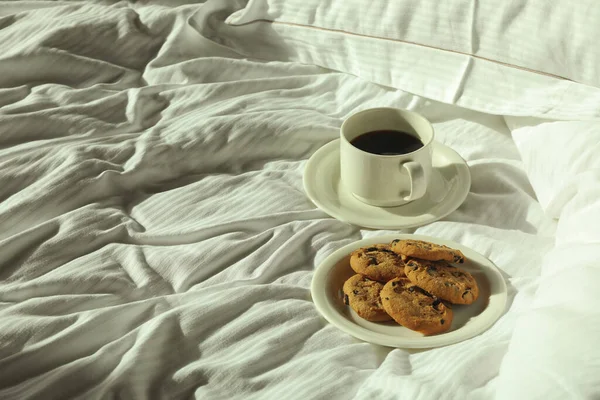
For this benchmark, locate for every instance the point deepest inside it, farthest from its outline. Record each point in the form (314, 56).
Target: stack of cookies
(411, 282)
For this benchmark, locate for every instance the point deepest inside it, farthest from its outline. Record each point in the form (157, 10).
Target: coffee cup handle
(418, 185)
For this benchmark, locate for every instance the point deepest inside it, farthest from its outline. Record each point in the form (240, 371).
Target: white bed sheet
(155, 239)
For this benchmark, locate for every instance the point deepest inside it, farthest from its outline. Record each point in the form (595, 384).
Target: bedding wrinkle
(512, 14)
(133, 262)
(243, 226)
(162, 341)
(473, 51)
(143, 341)
(464, 76)
(28, 363)
(474, 34)
(272, 351)
(12, 95)
(7, 20)
(18, 71)
(218, 271)
(18, 248)
(87, 230)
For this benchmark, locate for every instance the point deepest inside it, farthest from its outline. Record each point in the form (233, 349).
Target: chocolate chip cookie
(377, 262)
(426, 251)
(362, 295)
(443, 280)
(415, 308)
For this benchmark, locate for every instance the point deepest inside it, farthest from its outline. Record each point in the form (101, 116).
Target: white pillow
(560, 157)
(555, 37)
(476, 54)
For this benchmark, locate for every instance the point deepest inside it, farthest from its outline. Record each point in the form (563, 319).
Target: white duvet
(156, 241)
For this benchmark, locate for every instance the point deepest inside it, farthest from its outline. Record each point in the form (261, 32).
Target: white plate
(469, 320)
(447, 190)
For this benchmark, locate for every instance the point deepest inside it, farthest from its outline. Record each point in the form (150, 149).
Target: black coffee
(387, 142)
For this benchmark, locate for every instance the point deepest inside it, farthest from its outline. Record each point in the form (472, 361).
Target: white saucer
(468, 321)
(447, 190)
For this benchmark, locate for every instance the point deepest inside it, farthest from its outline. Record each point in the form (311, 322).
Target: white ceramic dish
(449, 186)
(469, 320)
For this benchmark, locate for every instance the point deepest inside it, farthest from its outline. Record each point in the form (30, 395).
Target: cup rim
(424, 147)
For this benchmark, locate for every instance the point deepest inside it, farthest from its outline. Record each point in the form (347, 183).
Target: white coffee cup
(386, 180)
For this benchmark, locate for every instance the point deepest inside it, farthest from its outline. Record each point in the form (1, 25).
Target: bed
(155, 238)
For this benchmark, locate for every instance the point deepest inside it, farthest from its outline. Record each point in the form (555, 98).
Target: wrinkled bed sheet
(156, 241)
